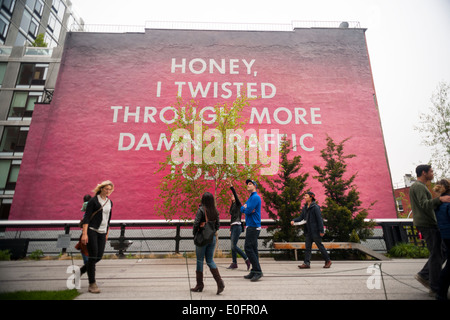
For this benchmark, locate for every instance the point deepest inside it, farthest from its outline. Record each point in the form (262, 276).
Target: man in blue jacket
(252, 211)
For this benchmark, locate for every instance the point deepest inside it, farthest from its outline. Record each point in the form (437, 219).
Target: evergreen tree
(342, 212)
(283, 195)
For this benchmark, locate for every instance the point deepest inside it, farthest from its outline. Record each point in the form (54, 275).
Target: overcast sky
(408, 43)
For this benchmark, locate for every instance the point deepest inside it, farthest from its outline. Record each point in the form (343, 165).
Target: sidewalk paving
(167, 279)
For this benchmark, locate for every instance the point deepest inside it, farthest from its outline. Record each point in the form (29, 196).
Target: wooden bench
(330, 246)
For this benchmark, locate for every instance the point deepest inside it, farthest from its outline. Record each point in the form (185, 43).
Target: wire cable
(189, 278)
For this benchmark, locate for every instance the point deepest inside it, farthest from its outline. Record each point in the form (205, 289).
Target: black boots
(219, 281)
(199, 286)
(199, 275)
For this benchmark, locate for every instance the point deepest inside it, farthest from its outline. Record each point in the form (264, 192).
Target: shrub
(5, 255)
(408, 250)
(36, 255)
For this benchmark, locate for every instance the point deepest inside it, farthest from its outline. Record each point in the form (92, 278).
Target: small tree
(39, 42)
(283, 196)
(198, 161)
(435, 126)
(342, 212)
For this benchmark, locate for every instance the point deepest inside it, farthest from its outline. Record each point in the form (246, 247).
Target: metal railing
(149, 236)
(161, 236)
(224, 26)
(107, 28)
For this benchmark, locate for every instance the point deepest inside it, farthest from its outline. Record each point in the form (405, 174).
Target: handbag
(206, 234)
(82, 247)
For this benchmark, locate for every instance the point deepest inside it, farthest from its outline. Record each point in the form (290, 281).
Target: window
(32, 31)
(399, 204)
(31, 74)
(9, 171)
(13, 139)
(22, 104)
(59, 8)
(29, 25)
(54, 26)
(51, 43)
(4, 26)
(39, 8)
(7, 6)
(36, 6)
(26, 19)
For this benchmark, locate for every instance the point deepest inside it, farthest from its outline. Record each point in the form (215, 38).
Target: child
(81, 247)
(86, 199)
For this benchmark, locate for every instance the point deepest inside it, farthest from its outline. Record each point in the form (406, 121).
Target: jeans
(96, 248)
(251, 248)
(309, 239)
(236, 230)
(206, 252)
(432, 269)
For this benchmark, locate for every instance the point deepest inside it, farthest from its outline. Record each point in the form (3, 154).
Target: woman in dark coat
(313, 230)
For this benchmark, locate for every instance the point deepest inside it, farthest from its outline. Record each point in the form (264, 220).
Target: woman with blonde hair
(96, 228)
(443, 221)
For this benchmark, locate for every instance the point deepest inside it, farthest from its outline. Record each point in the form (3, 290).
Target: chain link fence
(147, 237)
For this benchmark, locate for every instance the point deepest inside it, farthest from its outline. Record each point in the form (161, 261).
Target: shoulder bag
(206, 234)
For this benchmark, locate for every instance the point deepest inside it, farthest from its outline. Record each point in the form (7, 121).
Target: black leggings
(96, 248)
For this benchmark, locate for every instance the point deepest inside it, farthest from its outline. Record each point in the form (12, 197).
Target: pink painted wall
(73, 143)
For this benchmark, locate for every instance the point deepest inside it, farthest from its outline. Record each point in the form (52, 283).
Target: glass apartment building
(27, 75)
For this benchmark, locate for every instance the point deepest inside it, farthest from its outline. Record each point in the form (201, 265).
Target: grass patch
(40, 295)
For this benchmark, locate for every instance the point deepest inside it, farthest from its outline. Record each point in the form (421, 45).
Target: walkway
(170, 279)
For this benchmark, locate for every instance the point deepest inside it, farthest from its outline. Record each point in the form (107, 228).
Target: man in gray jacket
(424, 218)
(313, 230)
